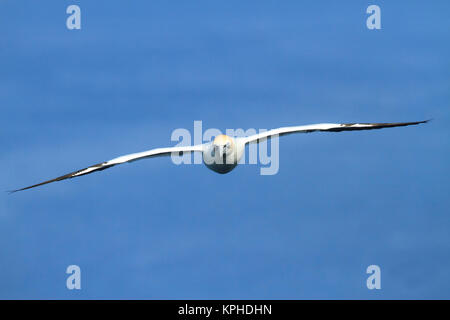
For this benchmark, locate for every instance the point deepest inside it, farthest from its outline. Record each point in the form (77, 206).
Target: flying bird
(224, 152)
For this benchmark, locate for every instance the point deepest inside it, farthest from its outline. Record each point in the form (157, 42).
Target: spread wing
(331, 127)
(127, 158)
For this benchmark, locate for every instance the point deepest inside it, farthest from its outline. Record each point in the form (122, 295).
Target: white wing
(333, 127)
(127, 158)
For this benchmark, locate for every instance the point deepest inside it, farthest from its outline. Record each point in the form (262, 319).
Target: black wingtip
(420, 122)
(423, 121)
(13, 191)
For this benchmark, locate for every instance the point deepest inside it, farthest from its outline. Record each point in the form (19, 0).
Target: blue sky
(137, 71)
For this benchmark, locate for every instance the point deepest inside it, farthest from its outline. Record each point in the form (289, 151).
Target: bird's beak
(222, 150)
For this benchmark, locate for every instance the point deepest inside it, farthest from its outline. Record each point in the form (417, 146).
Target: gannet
(222, 155)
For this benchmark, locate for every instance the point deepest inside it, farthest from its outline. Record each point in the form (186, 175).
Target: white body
(223, 160)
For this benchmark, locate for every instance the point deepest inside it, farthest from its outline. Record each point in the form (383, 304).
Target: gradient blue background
(138, 70)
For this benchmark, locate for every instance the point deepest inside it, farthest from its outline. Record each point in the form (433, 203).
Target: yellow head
(223, 144)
